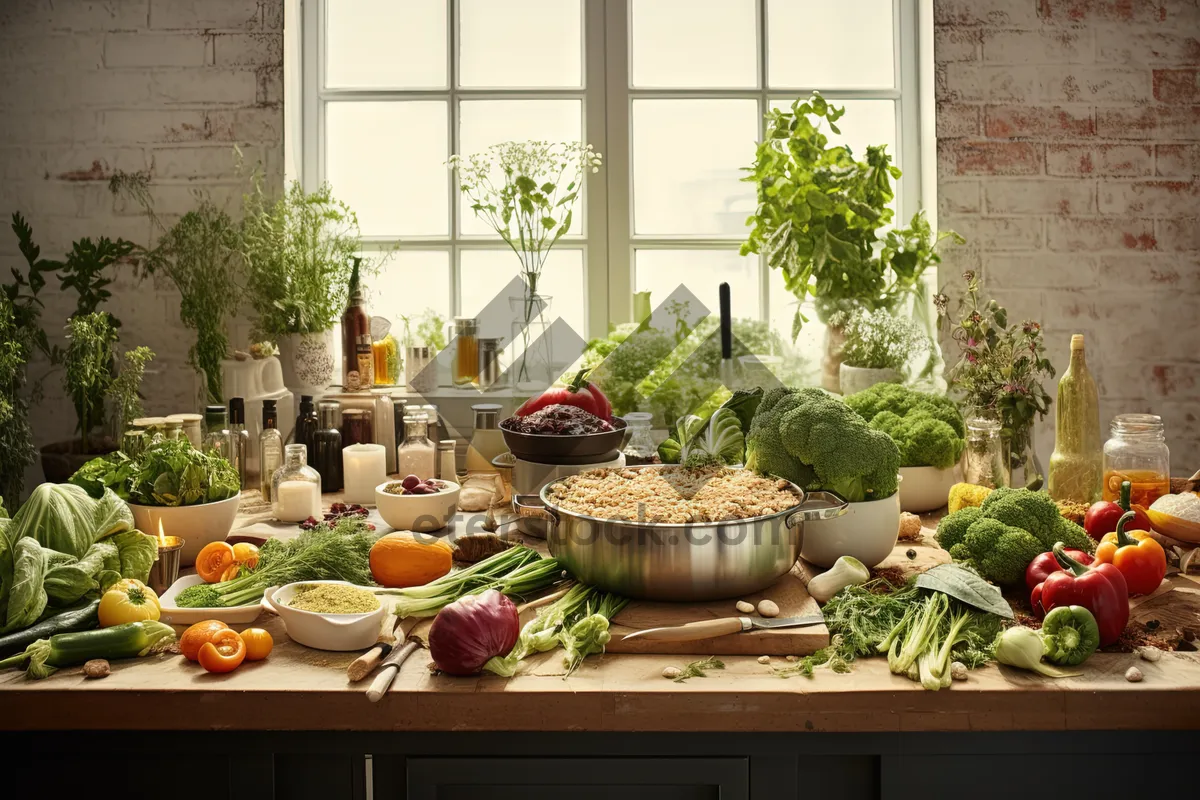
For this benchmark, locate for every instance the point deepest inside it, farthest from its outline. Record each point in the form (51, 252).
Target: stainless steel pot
(679, 562)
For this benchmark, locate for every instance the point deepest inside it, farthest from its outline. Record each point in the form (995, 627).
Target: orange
(245, 553)
(258, 643)
(212, 561)
(225, 652)
(403, 559)
(197, 635)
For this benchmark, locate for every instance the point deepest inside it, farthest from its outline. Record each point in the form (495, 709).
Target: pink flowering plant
(1000, 368)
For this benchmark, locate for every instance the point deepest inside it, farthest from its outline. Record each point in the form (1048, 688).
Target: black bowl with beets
(562, 434)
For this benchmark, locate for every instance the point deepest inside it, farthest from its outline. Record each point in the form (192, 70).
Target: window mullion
(618, 162)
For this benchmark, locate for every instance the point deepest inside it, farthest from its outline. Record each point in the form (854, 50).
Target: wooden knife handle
(694, 631)
(383, 681)
(365, 664)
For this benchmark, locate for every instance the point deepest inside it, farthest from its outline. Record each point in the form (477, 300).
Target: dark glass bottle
(358, 360)
(327, 458)
(307, 425)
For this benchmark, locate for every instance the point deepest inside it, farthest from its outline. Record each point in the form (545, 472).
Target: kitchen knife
(712, 628)
(726, 374)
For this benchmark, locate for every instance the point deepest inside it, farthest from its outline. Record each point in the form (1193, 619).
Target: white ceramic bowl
(925, 488)
(867, 531)
(420, 513)
(174, 615)
(197, 525)
(340, 632)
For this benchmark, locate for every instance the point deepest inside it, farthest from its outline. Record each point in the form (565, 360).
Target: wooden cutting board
(788, 592)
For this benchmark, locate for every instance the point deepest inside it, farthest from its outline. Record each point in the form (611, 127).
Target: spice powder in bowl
(333, 598)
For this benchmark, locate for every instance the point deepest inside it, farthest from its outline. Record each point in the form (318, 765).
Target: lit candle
(364, 466)
(297, 501)
(165, 569)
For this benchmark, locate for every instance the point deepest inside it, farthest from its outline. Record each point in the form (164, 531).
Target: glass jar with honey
(1136, 451)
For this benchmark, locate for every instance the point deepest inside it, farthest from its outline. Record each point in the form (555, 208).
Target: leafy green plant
(173, 473)
(21, 336)
(125, 390)
(299, 252)
(86, 270)
(200, 255)
(1000, 368)
(88, 361)
(880, 340)
(822, 215)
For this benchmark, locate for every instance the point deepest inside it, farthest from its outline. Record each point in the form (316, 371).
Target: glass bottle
(133, 443)
(357, 427)
(1137, 452)
(240, 436)
(270, 448)
(447, 468)
(416, 455)
(219, 436)
(431, 418)
(358, 360)
(295, 487)
(327, 451)
(487, 441)
(307, 424)
(640, 448)
(986, 460)
(1076, 465)
(466, 350)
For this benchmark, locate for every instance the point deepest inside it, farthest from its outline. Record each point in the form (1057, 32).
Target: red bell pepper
(1041, 567)
(1099, 588)
(1103, 515)
(581, 393)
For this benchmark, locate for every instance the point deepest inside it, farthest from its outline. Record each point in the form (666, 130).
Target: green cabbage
(63, 517)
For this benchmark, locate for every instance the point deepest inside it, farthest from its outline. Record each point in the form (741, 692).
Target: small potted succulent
(877, 349)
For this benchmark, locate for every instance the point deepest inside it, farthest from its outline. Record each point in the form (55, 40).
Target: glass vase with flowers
(999, 374)
(526, 193)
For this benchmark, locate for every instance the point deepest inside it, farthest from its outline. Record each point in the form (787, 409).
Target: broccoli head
(927, 428)
(952, 530)
(1036, 512)
(903, 401)
(1000, 552)
(815, 440)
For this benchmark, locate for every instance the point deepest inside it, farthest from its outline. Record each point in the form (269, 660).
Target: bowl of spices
(328, 615)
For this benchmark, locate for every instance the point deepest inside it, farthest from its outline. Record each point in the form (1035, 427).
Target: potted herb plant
(200, 255)
(823, 219)
(526, 192)
(878, 347)
(999, 374)
(299, 252)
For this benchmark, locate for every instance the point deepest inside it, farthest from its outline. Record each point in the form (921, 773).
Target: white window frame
(608, 242)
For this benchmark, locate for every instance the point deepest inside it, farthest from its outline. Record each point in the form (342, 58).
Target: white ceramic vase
(307, 362)
(926, 488)
(855, 379)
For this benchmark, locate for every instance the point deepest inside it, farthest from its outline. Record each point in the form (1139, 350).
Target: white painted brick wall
(1069, 154)
(167, 86)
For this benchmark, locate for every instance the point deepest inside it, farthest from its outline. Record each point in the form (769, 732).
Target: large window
(672, 92)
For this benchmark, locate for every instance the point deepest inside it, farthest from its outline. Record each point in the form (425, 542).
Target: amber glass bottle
(358, 361)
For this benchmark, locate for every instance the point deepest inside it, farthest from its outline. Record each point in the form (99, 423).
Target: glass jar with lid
(465, 339)
(295, 487)
(1136, 451)
(357, 426)
(987, 462)
(640, 448)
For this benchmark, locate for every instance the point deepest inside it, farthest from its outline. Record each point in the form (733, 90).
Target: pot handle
(834, 506)
(531, 506)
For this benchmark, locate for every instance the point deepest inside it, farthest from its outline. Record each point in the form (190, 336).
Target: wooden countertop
(302, 689)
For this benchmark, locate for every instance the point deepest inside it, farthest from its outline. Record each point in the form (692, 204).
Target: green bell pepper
(1069, 635)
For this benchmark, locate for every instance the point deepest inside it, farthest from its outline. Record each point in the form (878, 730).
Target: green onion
(517, 572)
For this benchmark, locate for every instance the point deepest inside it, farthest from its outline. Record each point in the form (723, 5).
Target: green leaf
(964, 585)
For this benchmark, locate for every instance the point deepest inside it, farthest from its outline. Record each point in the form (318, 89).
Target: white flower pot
(855, 379)
(926, 488)
(867, 531)
(197, 525)
(307, 362)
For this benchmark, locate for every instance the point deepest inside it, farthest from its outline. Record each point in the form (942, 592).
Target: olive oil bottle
(1076, 466)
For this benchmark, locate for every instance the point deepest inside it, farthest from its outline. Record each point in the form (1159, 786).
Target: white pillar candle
(297, 501)
(364, 466)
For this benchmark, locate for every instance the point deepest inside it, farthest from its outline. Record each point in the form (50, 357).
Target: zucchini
(129, 640)
(76, 618)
